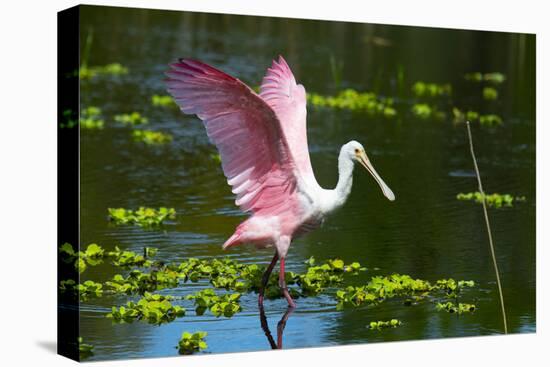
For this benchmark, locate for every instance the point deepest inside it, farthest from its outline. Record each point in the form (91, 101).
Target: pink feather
(260, 137)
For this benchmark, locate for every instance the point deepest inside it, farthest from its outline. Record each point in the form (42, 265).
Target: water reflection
(280, 327)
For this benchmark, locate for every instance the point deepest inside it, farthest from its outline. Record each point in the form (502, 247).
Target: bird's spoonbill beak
(365, 162)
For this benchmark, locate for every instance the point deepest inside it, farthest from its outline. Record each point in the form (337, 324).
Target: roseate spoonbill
(262, 143)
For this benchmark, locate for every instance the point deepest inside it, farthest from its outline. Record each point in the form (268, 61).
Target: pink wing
(288, 100)
(254, 153)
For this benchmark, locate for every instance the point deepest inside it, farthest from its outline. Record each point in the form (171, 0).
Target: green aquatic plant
(473, 116)
(151, 137)
(89, 72)
(495, 78)
(190, 343)
(317, 278)
(490, 120)
(69, 119)
(461, 117)
(163, 101)
(493, 200)
(133, 118)
(130, 258)
(89, 289)
(459, 308)
(90, 118)
(425, 111)
(490, 93)
(354, 296)
(453, 288)
(422, 89)
(141, 282)
(379, 325)
(84, 350)
(153, 308)
(93, 255)
(144, 217)
(226, 304)
(380, 288)
(216, 157)
(351, 99)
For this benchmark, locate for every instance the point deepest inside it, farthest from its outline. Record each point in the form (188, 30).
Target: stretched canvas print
(235, 183)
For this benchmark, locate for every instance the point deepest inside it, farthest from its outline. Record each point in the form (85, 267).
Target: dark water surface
(426, 232)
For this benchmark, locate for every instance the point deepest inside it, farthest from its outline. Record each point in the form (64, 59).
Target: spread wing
(247, 132)
(288, 100)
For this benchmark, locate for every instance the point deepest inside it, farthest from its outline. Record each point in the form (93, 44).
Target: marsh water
(426, 233)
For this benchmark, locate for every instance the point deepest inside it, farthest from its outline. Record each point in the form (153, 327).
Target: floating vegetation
(152, 308)
(421, 89)
(490, 120)
(461, 117)
(490, 93)
(130, 258)
(90, 72)
(95, 255)
(379, 288)
(351, 99)
(144, 217)
(84, 291)
(163, 100)
(140, 282)
(319, 277)
(452, 288)
(379, 325)
(133, 118)
(226, 305)
(69, 119)
(495, 78)
(84, 350)
(425, 112)
(494, 200)
(90, 118)
(216, 157)
(151, 137)
(473, 116)
(92, 256)
(459, 308)
(190, 343)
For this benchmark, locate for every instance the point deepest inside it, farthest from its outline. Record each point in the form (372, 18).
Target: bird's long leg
(282, 284)
(281, 327)
(265, 279)
(265, 328)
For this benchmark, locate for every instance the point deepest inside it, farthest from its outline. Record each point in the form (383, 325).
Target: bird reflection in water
(280, 327)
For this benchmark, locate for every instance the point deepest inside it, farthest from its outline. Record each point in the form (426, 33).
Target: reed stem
(491, 245)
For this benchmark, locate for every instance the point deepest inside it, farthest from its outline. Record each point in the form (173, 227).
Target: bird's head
(356, 153)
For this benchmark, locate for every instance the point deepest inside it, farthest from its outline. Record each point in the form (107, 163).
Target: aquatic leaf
(84, 350)
(133, 118)
(67, 249)
(151, 137)
(490, 93)
(80, 265)
(86, 72)
(145, 217)
(422, 89)
(190, 343)
(164, 101)
(379, 325)
(493, 200)
(351, 99)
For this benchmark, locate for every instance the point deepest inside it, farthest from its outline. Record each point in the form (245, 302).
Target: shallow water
(426, 232)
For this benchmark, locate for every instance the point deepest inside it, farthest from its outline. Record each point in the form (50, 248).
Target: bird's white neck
(345, 179)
